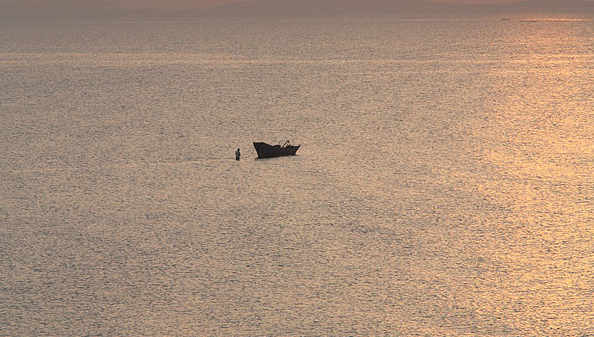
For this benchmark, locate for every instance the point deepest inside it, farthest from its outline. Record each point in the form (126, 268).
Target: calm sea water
(444, 185)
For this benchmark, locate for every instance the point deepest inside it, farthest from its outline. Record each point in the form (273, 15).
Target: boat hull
(269, 151)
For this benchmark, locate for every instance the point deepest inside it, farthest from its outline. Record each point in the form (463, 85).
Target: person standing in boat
(237, 154)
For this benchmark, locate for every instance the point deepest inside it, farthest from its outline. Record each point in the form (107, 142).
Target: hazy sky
(211, 3)
(176, 4)
(168, 4)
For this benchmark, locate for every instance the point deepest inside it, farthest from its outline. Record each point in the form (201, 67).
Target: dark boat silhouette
(268, 151)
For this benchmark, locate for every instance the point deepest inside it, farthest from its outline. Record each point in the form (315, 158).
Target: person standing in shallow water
(237, 154)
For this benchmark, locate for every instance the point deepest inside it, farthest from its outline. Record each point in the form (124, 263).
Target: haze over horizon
(54, 5)
(199, 4)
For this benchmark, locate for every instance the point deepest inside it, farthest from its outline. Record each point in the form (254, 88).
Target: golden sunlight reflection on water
(444, 186)
(543, 157)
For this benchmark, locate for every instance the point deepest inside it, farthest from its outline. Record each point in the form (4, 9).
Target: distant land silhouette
(91, 8)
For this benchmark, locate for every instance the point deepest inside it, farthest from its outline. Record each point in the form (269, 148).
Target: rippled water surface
(444, 184)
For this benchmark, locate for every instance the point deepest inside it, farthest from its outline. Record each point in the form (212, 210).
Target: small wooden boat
(268, 151)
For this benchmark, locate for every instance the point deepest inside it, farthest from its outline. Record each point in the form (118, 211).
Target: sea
(444, 185)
